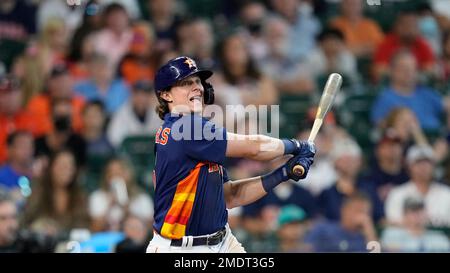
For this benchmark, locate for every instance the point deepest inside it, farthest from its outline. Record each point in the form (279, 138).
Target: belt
(209, 240)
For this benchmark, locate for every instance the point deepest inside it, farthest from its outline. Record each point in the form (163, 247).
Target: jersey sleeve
(206, 141)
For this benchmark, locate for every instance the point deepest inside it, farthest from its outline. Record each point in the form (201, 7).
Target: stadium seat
(139, 150)
(293, 110)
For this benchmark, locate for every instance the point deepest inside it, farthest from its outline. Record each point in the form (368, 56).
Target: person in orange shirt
(59, 86)
(139, 63)
(362, 35)
(12, 117)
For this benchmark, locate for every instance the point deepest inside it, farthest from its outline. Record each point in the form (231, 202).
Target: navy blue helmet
(178, 69)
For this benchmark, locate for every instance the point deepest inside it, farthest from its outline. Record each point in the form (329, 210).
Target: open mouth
(194, 98)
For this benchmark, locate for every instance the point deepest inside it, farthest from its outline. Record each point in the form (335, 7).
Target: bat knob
(298, 170)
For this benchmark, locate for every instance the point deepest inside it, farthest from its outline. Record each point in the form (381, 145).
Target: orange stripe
(180, 210)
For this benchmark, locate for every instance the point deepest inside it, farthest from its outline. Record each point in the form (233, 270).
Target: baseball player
(192, 189)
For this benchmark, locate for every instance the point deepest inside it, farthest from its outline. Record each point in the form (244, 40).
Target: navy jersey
(189, 177)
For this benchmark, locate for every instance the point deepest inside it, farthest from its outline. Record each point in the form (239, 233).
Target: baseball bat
(332, 86)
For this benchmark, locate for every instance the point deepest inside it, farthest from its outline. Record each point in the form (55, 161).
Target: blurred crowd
(77, 119)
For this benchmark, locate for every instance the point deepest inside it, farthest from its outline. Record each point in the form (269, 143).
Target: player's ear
(167, 96)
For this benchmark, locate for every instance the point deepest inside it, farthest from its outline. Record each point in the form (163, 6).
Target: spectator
(429, 27)
(139, 63)
(362, 34)
(131, 6)
(79, 69)
(119, 194)
(405, 35)
(15, 240)
(19, 164)
(289, 194)
(115, 38)
(17, 20)
(163, 16)
(387, 169)
(136, 117)
(136, 236)
(347, 158)
(240, 81)
(403, 124)
(98, 146)
(351, 233)
(445, 60)
(304, 27)
(291, 230)
(413, 235)
(57, 204)
(202, 37)
(61, 137)
(33, 67)
(332, 56)
(421, 165)
(51, 9)
(12, 117)
(53, 38)
(82, 41)
(101, 84)
(289, 75)
(59, 87)
(252, 17)
(404, 90)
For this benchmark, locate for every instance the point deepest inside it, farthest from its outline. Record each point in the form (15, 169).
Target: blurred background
(77, 119)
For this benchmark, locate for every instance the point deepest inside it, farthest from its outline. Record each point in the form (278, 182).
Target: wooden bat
(332, 86)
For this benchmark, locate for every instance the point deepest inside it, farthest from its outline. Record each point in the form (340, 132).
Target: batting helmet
(178, 69)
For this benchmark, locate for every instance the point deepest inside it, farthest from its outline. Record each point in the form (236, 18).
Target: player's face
(187, 95)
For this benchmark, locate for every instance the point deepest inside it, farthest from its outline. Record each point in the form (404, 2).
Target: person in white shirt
(436, 196)
(136, 117)
(118, 196)
(413, 235)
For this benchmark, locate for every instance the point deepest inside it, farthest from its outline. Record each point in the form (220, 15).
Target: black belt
(209, 240)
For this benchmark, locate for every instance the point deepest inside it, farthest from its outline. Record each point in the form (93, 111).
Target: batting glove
(296, 147)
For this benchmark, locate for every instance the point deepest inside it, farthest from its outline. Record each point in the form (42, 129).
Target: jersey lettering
(162, 137)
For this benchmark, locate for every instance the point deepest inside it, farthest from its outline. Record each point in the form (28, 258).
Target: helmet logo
(190, 62)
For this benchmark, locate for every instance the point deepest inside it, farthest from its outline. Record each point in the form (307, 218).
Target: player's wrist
(274, 178)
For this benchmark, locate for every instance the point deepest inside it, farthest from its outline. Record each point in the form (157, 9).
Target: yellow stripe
(184, 197)
(173, 230)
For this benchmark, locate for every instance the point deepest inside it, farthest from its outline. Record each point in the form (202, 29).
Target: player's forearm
(243, 192)
(257, 147)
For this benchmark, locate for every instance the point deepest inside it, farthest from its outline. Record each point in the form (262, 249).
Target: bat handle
(298, 170)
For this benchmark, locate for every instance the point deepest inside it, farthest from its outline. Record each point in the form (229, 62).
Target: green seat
(139, 151)
(293, 112)
(354, 115)
(9, 50)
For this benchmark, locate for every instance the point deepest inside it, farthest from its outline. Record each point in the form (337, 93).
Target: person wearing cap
(192, 188)
(413, 235)
(291, 229)
(137, 116)
(387, 168)
(59, 86)
(12, 116)
(421, 166)
(347, 158)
